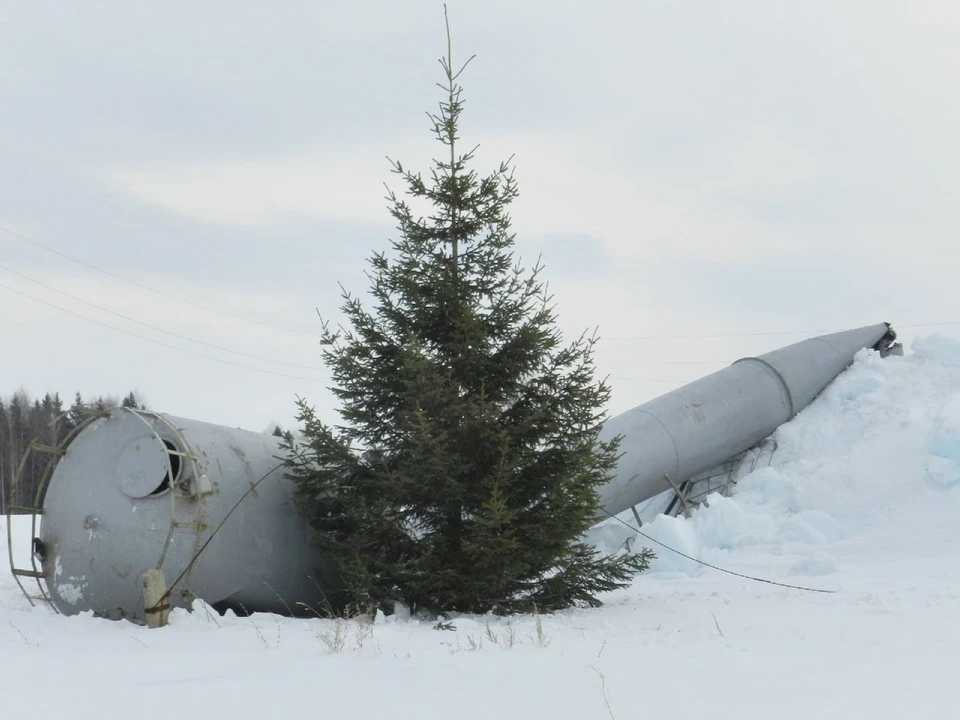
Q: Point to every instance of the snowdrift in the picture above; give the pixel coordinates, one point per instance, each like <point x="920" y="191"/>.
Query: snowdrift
<point x="862" y="498"/>
<point x="880" y="445"/>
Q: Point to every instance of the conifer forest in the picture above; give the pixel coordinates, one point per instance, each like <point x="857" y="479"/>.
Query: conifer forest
<point x="47" y="421"/>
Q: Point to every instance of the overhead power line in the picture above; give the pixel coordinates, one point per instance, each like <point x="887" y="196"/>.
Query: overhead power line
<point x="141" y="285"/>
<point x="668" y="362"/>
<point x="201" y="355"/>
<point x="767" y="334"/>
<point x="154" y="341"/>
<point x="154" y="327"/>
<point x="316" y="335"/>
<point x="651" y="380"/>
<point x="922" y="325"/>
<point x="720" y="335"/>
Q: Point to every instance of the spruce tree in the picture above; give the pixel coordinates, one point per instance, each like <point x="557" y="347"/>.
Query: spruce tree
<point x="464" y="473"/>
<point x="285" y="435"/>
<point x="76" y="414"/>
<point x="62" y="427"/>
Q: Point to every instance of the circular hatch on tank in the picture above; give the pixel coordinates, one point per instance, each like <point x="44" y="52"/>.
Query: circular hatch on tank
<point x="144" y="467"/>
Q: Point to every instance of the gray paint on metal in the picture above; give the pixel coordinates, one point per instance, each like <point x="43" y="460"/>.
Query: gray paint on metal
<point x="109" y="516"/>
<point x="142" y="465"/>
<point x="697" y="427"/>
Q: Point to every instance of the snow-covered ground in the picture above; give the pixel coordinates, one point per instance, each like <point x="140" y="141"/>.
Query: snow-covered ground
<point x="862" y="498"/>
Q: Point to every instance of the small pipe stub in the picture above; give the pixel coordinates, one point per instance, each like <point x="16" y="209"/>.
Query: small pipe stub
<point x="886" y="345"/>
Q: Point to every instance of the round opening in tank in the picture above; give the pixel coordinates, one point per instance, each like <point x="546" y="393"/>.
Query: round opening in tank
<point x="175" y="468"/>
<point x="148" y="467"/>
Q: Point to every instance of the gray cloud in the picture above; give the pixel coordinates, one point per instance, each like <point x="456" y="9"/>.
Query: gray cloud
<point x="567" y="254"/>
<point x="684" y="168"/>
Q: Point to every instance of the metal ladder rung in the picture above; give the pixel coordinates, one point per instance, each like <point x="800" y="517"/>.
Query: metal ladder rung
<point x="29" y="510"/>
<point x="28" y="573"/>
<point x="197" y="526"/>
<point x="189" y="456"/>
<point x="49" y="449"/>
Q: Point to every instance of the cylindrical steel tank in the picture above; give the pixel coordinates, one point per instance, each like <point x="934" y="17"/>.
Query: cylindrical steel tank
<point x="695" y="428"/>
<point x="137" y="490"/>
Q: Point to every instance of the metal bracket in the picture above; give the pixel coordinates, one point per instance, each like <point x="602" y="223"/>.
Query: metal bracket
<point x="681" y="495"/>
<point x="693" y="493"/>
<point x="887" y="346"/>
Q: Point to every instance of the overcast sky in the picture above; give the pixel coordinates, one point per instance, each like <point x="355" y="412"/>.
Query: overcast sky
<point x="685" y="169"/>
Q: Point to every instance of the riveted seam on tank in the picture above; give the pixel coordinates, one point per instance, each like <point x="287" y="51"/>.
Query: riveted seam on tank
<point x="673" y="443"/>
<point x="778" y="377"/>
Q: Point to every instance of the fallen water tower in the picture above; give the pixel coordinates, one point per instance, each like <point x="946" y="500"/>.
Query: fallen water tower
<point x="134" y="490"/>
<point x="131" y="491"/>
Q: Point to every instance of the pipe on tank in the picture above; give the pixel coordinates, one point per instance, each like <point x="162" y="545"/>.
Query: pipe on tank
<point x="695" y="428"/>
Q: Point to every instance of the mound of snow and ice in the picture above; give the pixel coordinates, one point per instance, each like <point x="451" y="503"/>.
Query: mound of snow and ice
<point x="862" y="499"/>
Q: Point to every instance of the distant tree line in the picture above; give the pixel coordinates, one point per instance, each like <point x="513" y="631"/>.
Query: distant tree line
<point x="24" y="420"/>
<point x="279" y="432"/>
